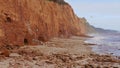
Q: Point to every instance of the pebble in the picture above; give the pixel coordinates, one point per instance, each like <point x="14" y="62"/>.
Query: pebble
<point x="14" y="55"/>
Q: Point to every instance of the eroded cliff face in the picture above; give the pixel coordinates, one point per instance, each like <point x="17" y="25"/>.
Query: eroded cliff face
<point x="30" y="21"/>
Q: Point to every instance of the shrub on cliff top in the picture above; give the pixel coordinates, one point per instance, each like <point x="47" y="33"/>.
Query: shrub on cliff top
<point x="59" y="1"/>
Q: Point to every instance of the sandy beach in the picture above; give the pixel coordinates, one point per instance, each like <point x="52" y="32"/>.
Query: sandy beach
<point x="58" y="53"/>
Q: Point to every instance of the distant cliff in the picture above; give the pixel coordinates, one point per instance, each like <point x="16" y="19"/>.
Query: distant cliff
<point x="88" y="28"/>
<point x="30" y="21"/>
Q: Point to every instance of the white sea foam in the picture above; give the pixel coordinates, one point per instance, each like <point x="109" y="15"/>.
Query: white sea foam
<point x="106" y="44"/>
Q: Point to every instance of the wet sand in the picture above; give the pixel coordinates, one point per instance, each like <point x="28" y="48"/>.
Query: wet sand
<point x="58" y="53"/>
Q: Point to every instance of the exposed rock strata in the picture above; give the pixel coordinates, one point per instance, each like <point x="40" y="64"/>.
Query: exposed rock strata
<point x="30" y="21"/>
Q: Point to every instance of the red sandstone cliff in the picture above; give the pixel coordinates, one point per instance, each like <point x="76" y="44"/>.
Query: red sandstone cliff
<point x="30" y="21"/>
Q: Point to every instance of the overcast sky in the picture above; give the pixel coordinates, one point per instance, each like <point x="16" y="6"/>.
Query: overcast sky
<point x="100" y="13"/>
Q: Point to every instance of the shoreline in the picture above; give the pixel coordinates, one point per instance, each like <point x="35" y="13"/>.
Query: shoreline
<point x="59" y="53"/>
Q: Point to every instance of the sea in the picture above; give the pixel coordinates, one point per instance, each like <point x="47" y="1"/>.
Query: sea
<point x="106" y="43"/>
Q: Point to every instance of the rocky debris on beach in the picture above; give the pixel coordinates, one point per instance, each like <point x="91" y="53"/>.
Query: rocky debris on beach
<point x="62" y="55"/>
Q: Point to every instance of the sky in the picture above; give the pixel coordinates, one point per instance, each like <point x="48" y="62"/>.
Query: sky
<point x="100" y="13"/>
